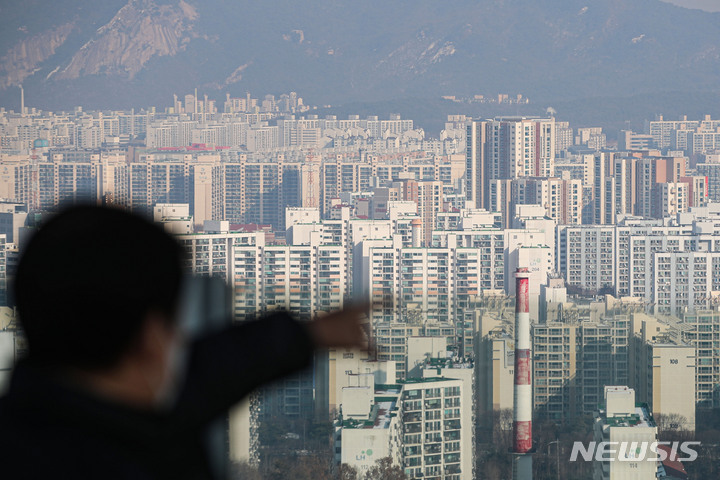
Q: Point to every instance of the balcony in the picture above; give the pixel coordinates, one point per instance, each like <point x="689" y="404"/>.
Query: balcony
<point x="451" y="425"/>
<point x="413" y="428"/>
<point x="452" y="469"/>
<point x="432" y="460"/>
<point x="412" y="417"/>
<point x="410" y="451"/>
<point x="433" y="448"/>
<point x="433" y="438"/>
<point x="431" y="404"/>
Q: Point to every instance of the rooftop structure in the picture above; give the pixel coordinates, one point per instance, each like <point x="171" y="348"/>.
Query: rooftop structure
<point x="623" y="421"/>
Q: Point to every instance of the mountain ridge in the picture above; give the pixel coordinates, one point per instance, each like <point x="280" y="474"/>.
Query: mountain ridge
<point x="139" y="52"/>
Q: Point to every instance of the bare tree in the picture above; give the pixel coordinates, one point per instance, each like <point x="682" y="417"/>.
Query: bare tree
<point x="308" y="467"/>
<point x="244" y="471"/>
<point x="494" y="458"/>
<point x="348" y="472"/>
<point x="385" y="470"/>
<point x="672" y="427"/>
<point x="502" y="428"/>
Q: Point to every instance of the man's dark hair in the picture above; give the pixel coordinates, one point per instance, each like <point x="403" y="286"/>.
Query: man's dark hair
<point x="86" y="282"/>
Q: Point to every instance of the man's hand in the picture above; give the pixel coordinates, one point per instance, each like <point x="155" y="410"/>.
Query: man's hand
<point x="342" y="329"/>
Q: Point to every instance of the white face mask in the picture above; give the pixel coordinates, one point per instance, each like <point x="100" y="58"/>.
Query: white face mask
<point x="175" y="373"/>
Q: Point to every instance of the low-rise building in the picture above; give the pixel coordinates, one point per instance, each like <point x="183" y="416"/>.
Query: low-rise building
<point x="625" y="422"/>
<point x="422" y="424"/>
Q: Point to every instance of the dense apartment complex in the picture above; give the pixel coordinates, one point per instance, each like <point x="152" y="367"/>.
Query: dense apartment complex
<point x="621" y="248"/>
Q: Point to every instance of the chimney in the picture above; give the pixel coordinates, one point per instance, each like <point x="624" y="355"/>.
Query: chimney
<point x="522" y="395"/>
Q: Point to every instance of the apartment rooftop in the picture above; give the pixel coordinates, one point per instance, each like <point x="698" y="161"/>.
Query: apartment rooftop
<point x="381" y="414"/>
<point x="412" y="381"/>
<point x="385" y="411"/>
<point x="453" y="362"/>
<point x="382" y="411"/>
<point x="670" y="338"/>
<point x="640" y="418"/>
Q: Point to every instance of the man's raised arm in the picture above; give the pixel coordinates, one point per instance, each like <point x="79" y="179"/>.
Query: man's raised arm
<point x="225" y="366"/>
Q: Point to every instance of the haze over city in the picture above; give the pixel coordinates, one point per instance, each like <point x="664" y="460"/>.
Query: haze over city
<point x="707" y="5"/>
<point x="525" y="194"/>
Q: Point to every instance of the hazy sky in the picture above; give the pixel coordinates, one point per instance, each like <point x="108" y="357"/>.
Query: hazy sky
<point x="709" y="5"/>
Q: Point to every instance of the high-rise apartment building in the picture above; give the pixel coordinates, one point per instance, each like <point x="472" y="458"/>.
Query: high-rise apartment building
<point x="672" y="198"/>
<point x="563" y="136"/>
<point x="500" y="200"/>
<point x="662" y="368"/>
<point x="494" y="365"/>
<point x="423" y="424"/>
<point x="302" y="279"/>
<point x="628" y="141"/>
<point x="573" y="361"/>
<point x="698" y="194"/>
<point x="369" y="427"/>
<point x="703" y="140"/>
<point x="711" y="170"/>
<point x="697" y="329"/>
<point x="662" y="130"/>
<point x="520" y="147"/>
<point x="477" y="175"/>
<point x="351" y="368"/>
<point x="628" y="258"/>
<point x="438" y="282"/>
<point x="458" y="420"/>
<point x="586" y="256"/>
<point x="15" y="181"/>
<point x="154" y="180"/>
<point x="624" y="173"/>
<point x="562" y="199"/>
<point x="428" y="196"/>
<point x="13" y="217"/>
<point x="393" y="340"/>
<point x="652" y="174"/>
<point x="506" y="148"/>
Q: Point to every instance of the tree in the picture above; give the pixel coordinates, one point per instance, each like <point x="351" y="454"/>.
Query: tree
<point x="494" y="459"/>
<point x="244" y="471"/>
<point x="385" y="470"/>
<point x="301" y="467"/>
<point x="348" y="472"/>
<point x="671" y="427"/>
<point x="502" y="428"/>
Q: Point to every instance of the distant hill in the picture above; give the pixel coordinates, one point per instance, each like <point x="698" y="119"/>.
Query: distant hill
<point x="611" y="113"/>
<point x="115" y="53"/>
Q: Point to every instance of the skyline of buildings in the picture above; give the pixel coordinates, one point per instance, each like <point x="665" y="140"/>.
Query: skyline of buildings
<point x="621" y="247"/>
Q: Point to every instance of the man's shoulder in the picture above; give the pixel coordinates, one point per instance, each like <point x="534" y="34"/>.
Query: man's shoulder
<point x="36" y="444"/>
<point x="33" y="449"/>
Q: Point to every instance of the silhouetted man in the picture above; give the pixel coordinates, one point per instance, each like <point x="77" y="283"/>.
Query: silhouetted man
<point x="110" y="388"/>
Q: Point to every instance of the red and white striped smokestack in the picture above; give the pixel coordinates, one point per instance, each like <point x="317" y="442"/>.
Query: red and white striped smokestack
<point x="522" y="404"/>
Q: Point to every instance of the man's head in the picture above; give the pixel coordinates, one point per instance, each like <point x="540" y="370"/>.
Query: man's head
<point x="89" y="284"/>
